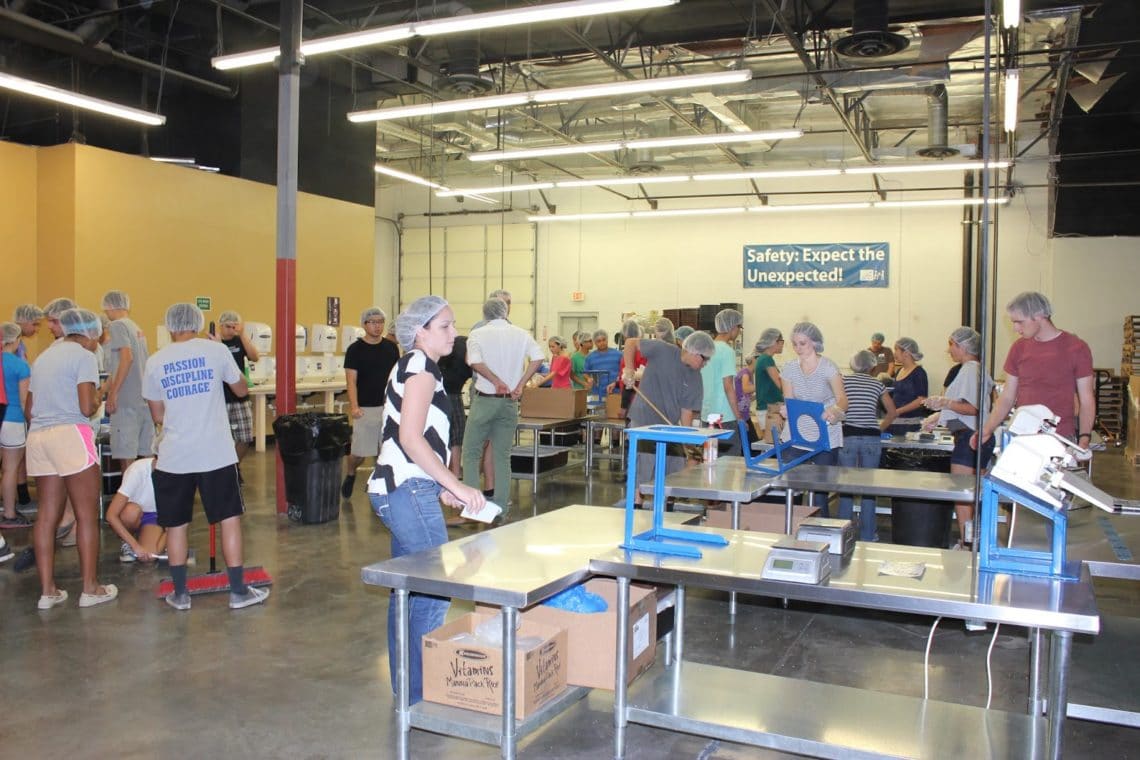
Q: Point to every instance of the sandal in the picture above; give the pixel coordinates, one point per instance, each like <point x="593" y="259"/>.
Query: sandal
<point x="65" y="534"/>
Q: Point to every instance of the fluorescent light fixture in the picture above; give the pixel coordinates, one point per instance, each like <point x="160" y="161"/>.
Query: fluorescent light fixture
<point x="451" y="25"/>
<point x="581" y="217"/>
<point x="775" y="174"/>
<point x="174" y="160"/>
<point x="940" y="166"/>
<point x="719" y="211"/>
<point x="471" y="192"/>
<point x="619" y="181"/>
<point x="942" y="202"/>
<point x="381" y="169"/>
<point x="650" y="142"/>
<point x="811" y="207"/>
<point x="1010" y="13"/>
<point x="657" y="84"/>
<point x="106" y="107"/>
<point x="1012" y="96"/>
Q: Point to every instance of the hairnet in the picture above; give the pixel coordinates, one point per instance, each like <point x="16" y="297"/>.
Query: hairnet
<point x="9" y="333"/>
<point x="105" y="321"/>
<point x="878" y="337"/>
<point x="372" y="312"/>
<point x="494" y="308"/>
<point x="630" y="329"/>
<point x="767" y="339"/>
<point x="1030" y="304"/>
<point x="585" y="336"/>
<point x="81" y="322"/>
<point x="502" y="295"/>
<point x="229" y="318"/>
<point x="811" y="332"/>
<point x="116" y="299"/>
<point x="863" y="361"/>
<point x="184" y="317"/>
<point x="663" y="330"/>
<point x="682" y="332"/>
<point x="28" y="312"/>
<point x="57" y="306"/>
<point x="418" y="313"/>
<point x="726" y="319"/>
<point x="601" y="334"/>
<point x="557" y="340"/>
<point x="701" y="344"/>
<point x="968" y="338"/>
<point x="910" y="345"/>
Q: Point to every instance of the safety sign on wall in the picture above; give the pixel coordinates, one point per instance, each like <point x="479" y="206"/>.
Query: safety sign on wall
<point x="817" y="265"/>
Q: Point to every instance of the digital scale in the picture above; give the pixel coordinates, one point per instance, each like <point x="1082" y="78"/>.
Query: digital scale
<point x="839" y="535"/>
<point x="797" y="561"/>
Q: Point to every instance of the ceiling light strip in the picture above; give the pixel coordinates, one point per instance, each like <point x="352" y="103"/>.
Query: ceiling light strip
<point x="85" y="102"/>
<point x="491" y="102"/>
<point x="641" y="144"/>
<point x="397" y="174"/>
<point x="451" y="25"/>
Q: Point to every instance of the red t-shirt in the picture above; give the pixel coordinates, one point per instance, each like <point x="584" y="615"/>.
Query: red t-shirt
<point x="1047" y="373"/>
<point x="560" y="371"/>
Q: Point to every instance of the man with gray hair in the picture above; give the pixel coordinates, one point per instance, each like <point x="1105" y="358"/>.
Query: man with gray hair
<point x="367" y="364"/>
<point x="606" y="361"/>
<point x="239" y="410"/>
<point x="719" y="373"/>
<point x="502" y="295"/>
<point x="1046" y="365"/>
<point x="503" y="358"/>
<point x="132" y="430"/>
<point x="884" y="356"/>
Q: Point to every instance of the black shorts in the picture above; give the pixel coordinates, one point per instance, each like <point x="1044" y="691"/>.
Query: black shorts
<point x="964" y="455"/>
<point x="174" y="495"/>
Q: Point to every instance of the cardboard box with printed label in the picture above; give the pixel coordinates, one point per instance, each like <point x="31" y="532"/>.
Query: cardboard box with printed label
<point x="462" y="671"/>
<point x="553" y="403"/>
<point x="592" y="637"/>
<point x="760" y="516"/>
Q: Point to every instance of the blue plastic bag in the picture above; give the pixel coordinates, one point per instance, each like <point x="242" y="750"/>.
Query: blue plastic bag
<point x="577" y="599"/>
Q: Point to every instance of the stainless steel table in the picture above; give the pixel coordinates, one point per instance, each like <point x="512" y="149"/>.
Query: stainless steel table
<point x="537" y="425"/>
<point x="512" y="567"/>
<point x="705" y="700"/>
<point x="595" y="424"/>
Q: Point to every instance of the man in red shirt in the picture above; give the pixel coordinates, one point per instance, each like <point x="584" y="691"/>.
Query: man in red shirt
<point x="1046" y="365"/>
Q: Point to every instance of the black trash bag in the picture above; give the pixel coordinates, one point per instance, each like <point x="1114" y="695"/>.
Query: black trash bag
<point x="312" y="447"/>
<point x="915" y="522"/>
<point x="308" y="431"/>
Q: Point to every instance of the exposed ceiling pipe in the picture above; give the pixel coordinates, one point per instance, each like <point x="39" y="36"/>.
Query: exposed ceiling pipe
<point x="937" y="131"/>
<point x="95" y="29"/>
<point x="33" y="31"/>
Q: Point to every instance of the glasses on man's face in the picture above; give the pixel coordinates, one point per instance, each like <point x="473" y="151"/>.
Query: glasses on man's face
<point x="375" y="322"/>
<point x="705" y="360"/>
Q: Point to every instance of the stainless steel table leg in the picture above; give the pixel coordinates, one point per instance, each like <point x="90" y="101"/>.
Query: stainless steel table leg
<point x="403" y="676"/>
<point x="534" y="483"/>
<point x="679" y="626"/>
<point x="589" y="449"/>
<point x="510" y="619"/>
<point x="735" y="526"/>
<point x="789" y="501"/>
<point x="620" y="720"/>
<point x="1035" y="640"/>
<point x="1060" y="652"/>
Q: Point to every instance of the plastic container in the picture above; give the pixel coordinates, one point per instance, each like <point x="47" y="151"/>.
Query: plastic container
<point x="914" y="522"/>
<point x="312" y="452"/>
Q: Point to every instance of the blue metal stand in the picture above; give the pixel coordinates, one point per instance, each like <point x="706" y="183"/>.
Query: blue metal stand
<point x="994" y="558"/>
<point x="656" y="540"/>
<point x="797" y="410"/>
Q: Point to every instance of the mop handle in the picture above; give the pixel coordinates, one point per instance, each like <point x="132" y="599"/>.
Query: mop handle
<point x="652" y="406"/>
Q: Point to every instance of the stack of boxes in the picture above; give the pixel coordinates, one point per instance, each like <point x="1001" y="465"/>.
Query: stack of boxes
<point x="1130" y="372"/>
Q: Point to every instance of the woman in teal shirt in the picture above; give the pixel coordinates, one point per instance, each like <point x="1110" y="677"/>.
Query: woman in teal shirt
<point x="765" y="374"/>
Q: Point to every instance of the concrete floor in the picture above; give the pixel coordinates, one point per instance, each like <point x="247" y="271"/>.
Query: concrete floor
<point x="306" y="675"/>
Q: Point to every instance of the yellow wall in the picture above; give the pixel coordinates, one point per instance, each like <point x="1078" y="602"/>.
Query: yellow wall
<point x="166" y="233"/>
<point x="18" y="223"/>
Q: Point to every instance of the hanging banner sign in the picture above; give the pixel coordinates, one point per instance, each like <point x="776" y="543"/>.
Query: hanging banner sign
<point x="817" y="265"/>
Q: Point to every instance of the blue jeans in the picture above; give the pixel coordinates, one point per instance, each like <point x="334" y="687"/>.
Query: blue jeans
<point x="860" y="451"/>
<point x="414" y="516"/>
<point x="821" y="498"/>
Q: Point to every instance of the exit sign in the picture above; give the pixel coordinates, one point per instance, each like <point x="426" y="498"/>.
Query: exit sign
<point x="203" y="302"/>
<point x="577" y="295"/>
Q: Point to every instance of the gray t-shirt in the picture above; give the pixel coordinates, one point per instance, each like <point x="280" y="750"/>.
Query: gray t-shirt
<point x="56" y="375"/>
<point x="965" y="388"/>
<point x="126" y="334"/>
<point x="188" y="378"/>
<point x="669" y="383"/>
<point x="814" y="387"/>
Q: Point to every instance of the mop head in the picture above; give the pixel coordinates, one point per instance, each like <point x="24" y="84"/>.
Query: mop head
<point x="212" y="583"/>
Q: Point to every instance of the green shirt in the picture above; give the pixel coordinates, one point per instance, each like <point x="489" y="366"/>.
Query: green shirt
<point x="577" y="367"/>
<point x="767" y="392"/>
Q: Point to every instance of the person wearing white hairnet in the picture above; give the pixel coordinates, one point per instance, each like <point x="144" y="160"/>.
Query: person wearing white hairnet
<point x="669" y="393"/>
<point x="911" y="385"/>
<point x="132" y="431"/>
<point x="503" y="357"/>
<point x="606" y="361"/>
<point x="183" y="386"/>
<point x="61" y="453"/>
<point x="411" y="479"/>
<point x="863" y="434"/>
<point x="13" y="429"/>
<point x="28" y="316"/>
<point x="584" y="341"/>
<point x="1049" y="366"/>
<point x="52" y="310"/>
<point x="239" y="410"/>
<point x="719" y="375"/>
<point x="560" y="365"/>
<point x="957" y="411"/>
<point x="367" y="364"/>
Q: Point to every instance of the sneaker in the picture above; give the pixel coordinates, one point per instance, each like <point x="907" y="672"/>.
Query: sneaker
<point x="6" y="552"/>
<point x="346" y="486"/>
<point x="110" y="591"/>
<point x="24" y="560"/>
<point x="19" y="521"/>
<point x="178" y="601"/>
<point x="126" y="554"/>
<point x="251" y="597"/>
<point x="47" y="602"/>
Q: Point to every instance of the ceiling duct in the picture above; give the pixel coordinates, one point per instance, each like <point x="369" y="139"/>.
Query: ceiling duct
<point x="462" y="76"/>
<point x="869" y="36"/>
<point x="641" y="160"/>
<point x="937" y="140"/>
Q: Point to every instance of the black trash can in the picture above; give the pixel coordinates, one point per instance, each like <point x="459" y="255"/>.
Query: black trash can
<point x="914" y="522"/>
<point x="312" y="451"/>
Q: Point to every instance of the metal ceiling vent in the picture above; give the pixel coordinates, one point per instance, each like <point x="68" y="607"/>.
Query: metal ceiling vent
<point x="462" y="76"/>
<point x="937" y="143"/>
<point x="869" y="37"/>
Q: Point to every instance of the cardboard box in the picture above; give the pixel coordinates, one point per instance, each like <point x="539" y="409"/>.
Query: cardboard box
<point x="592" y="637"/>
<point x="553" y="403"/>
<point x="759" y="516"/>
<point x="613" y="407"/>
<point x="1132" y="450"/>
<point x="469" y="675"/>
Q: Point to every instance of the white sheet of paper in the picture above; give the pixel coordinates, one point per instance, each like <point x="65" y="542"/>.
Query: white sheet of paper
<point x="486" y="514"/>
